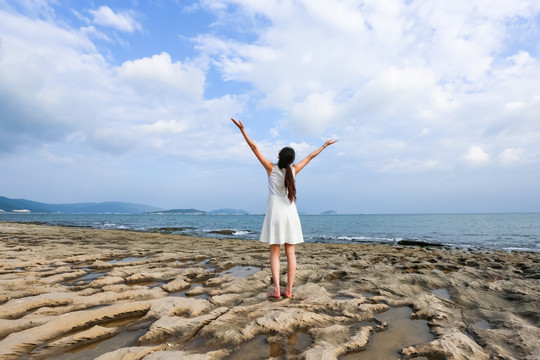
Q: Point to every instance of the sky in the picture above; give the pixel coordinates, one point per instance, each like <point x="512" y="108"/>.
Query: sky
<point x="435" y="104"/>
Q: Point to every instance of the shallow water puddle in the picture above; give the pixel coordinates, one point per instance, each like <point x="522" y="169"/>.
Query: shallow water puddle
<point x="184" y="293"/>
<point x="205" y="264"/>
<point x="443" y="293"/>
<point x="127" y="259"/>
<point x="93" y="276"/>
<point x="92" y="351"/>
<point x="260" y="348"/>
<point x="482" y="324"/>
<point x="402" y="332"/>
<point x="121" y="322"/>
<point x="87" y="279"/>
<point x="241" y="271"/>
<point x="148" y="283"/>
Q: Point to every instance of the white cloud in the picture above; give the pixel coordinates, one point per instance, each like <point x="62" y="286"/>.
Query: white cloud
<point x="42" y="68"/>
<point x="49" y="157"/>
<point x="410" y="166"/>
<point x="514" y="105"/>
<point x="55" y="86"/>
<point x="424" y="132"/>
<point x="92" y="32"/>
<point x="406" y="86"/>
<point x="301" y="149"/>
<point x="402" y="83"/>
<point x="164" y="127"/>
<point x="435" y="75"/>
<point x="516" y="156"/>
<point x="34" y="7"/>
<point x="122" y="21"/>
<point x="315" y="113"/>
<point x="476" y="156"/>
<point x="159" y="75"/>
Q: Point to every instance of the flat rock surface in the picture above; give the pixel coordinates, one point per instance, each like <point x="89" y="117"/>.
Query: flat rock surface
<point x="73" y="293"/>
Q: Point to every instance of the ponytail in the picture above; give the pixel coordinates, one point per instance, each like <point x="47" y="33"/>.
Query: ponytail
<point x="290" y="185"/>
<point x="286" y="158"/>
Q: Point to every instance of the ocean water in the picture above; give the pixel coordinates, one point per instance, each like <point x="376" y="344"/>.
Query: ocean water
<point x="478" y="231"/>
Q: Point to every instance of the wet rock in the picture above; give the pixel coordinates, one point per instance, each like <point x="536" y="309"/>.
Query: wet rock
<point x="179" y="327"/>
<point x="190" y="307"/>
<point x="454" y="346"/>
<point x="152" y="276"/>
<point x="328" y="350"/>
<point x="223" y="232"/>
<point x="18" y="307"/>
<point x="176" y="285"/>
<point x="130" y="353"/>
<point x="341" y="296"/>
<point x="14" y="326"/>
<point x="101" y="265"/>
<point x="107" y="280"/>
<point x="24" y="341"/>
<point x="226" y="300"/>
<point x="418" y="243"/>
<point x="94" y="334"/>
<point x="174" y="355"/>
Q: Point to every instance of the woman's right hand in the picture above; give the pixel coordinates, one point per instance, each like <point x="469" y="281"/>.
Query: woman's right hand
<point x="238" y="123"/>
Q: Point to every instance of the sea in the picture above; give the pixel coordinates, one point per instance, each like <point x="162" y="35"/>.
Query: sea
<point x="470" y="231"/>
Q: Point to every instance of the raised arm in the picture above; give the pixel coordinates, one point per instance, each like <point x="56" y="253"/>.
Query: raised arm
<point x="303" y="163"/>
<point x="264" y="161"/>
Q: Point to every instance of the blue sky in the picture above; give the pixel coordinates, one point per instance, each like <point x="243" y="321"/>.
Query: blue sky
<point x="436" y="104"/>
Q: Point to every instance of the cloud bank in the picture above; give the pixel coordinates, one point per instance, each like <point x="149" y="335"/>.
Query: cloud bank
<point x="409" y="87"/>
<point x="459" y="73"/>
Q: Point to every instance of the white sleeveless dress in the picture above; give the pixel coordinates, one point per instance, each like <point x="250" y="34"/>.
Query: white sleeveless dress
<point x="281" y="222"/>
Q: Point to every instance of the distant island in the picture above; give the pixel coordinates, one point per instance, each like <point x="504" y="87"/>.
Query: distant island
<point x="228" y="212"/>
<point x="329" y="212"/>
<point x="202" y="212"/>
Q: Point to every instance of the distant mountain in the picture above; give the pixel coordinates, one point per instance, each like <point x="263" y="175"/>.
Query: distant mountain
<point x="181" y="211"/>
<point x="228" y="212"/>
<point x="329" y="212"/>
<point x="9" y="205"/>
<point x="16" y="205"/>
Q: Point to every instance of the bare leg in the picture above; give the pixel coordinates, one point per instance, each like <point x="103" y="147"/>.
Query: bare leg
<point x="274" y="268"/>
<point x="291" y="269"/>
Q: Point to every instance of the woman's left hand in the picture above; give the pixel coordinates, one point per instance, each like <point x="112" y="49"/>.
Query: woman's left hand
<point x="329" y="142"/>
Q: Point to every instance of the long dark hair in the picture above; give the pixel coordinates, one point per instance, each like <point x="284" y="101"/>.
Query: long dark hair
<point x="286" y="158"/>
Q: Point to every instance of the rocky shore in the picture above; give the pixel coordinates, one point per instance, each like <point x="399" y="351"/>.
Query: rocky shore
<point x="73" y="293"/>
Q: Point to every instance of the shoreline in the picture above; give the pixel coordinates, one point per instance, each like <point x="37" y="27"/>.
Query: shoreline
<point x="164" y="296"/>
<point x="222" y="234"/>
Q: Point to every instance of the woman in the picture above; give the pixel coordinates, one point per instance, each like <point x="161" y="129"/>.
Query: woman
<point x="281" y="222"/>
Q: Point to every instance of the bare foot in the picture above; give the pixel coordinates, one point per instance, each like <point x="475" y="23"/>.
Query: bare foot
<point x="286" y="294"/>
<point x="273" y="294"/>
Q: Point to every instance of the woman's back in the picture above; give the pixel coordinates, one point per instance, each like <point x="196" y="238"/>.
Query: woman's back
<point x="276" y="181"/>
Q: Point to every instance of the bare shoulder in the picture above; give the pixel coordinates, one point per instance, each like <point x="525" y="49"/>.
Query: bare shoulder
<point x="269" y="168"/>
<point x="300" y="165"/>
